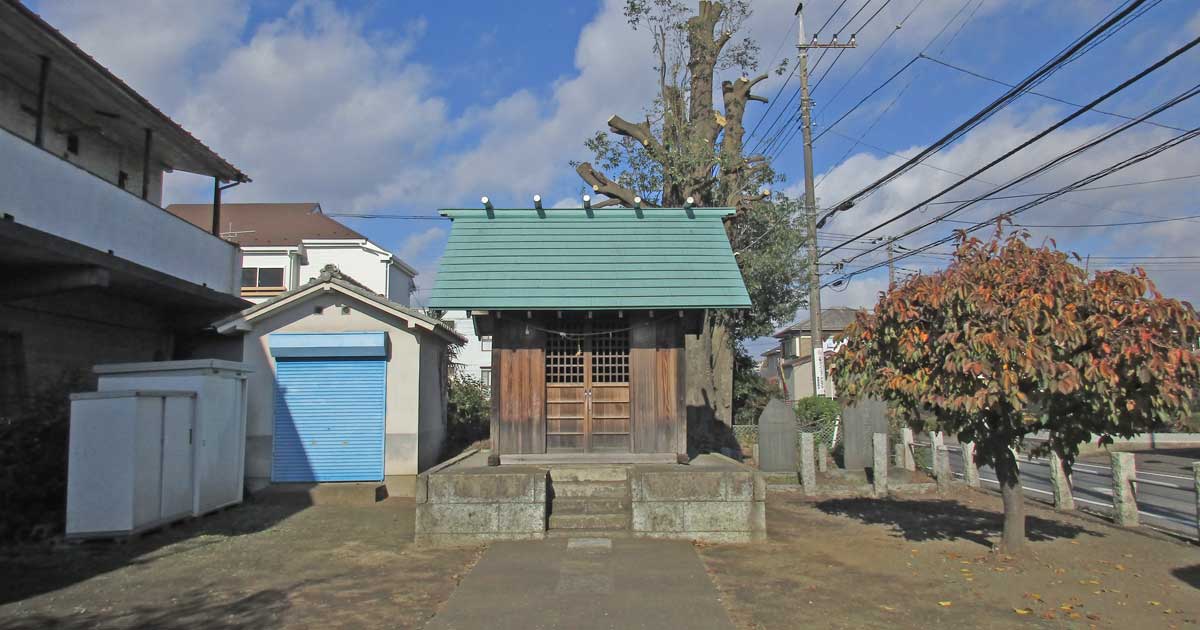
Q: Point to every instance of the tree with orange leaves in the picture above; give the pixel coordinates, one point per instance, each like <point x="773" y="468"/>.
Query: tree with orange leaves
<point x="1011" y="340"/>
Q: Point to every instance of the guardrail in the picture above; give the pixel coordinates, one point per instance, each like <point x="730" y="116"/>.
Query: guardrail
<point x="1124" y="486"/>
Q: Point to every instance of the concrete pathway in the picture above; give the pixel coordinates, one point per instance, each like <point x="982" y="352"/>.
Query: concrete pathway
<point x="585" y="584"/>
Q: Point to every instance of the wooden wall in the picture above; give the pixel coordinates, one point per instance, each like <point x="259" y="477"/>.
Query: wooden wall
<point x="657" y="379"/>
<point x="518" y="387"/>
<point x="657" y="385"/>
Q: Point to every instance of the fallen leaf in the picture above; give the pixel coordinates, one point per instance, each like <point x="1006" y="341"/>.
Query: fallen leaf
<point x="887" y="608"/>
<point x="1093" y="616"/>
<point x="945" y="604"/>
<point x="1049" y="614"/>
<point x="1022" y="611"/>
<point x="1154" y="603"/>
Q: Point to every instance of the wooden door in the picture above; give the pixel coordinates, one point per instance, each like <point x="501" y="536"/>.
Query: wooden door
<point x="587" y="388"/>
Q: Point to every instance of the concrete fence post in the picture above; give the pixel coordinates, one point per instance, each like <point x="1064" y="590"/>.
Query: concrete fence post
<point x="1124" y="502"/>
<point x="906" y="441"/>
<point x="808" y="474"/>
<point x="822" y="457"/>
<point x="970" y="468"/>
<point x="936" y="441"/>
<point x="1061" y="484"/>
<point x="945" y="474"/>
<point x="898" y="454"/>
<point x="1196" y="475"/>
<point x="879" y="462"/>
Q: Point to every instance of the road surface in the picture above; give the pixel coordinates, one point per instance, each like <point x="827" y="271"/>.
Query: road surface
<point x="1172" y="509"/>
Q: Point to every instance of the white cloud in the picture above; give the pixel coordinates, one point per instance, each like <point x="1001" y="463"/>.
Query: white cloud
<point x="173" y="41"/>
<point x="416" y="244"/>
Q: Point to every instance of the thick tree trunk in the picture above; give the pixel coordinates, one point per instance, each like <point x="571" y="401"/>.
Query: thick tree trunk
<point x="709" y="387"/>
<point x="1012" y="540"/>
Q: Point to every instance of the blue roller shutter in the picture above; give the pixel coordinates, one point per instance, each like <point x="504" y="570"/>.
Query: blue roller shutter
<point x="329" y="415"/>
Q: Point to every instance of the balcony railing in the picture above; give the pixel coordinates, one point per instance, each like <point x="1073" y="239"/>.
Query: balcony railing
<point x="261" y="292"/>
<point x="42" y="191"/>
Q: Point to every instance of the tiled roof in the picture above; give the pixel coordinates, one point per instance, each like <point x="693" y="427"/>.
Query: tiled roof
<point x="264" y="224"/>
<point x="832" y="320"/>
<point x="580" y="259"/>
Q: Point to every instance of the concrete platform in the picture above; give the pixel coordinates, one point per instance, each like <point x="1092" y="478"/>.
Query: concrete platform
<point x="322" y="494"/>
<point x="712" y="498"/>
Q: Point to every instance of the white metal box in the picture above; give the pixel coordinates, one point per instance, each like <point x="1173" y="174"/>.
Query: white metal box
<point x="219" y="443"/>
<point x="129" y="461"/>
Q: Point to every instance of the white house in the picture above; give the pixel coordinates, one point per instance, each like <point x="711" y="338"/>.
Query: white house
<point x="284" y="245"/>
<point x="95" y="271"/>
<point x="346" y="386"/>
<point x="474" y="358"/>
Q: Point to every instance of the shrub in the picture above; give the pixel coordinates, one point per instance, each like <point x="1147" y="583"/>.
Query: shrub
<point x="33" y="462"/>
<point x="818" y="414"/>
<point x="468" y="412"/>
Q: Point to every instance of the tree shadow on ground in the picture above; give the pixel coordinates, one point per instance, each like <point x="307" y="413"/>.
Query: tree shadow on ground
<point x="29" y="570"/>
<point x="926" y="520"/>
<point x="1189" y="575"/>
<point x="197" y="608"/>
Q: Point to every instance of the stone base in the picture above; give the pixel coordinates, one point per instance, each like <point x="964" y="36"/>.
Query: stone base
<point x="714" y="500"/>
<point x="401" y="485"/>
<point x="469" y="505"/>
<point x="323" y="493"/>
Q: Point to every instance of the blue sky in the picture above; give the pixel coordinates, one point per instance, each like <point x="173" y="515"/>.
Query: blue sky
<point x="405" y="107"/>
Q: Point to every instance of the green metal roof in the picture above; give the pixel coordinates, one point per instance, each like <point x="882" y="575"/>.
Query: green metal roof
<point x="581" y="259"/>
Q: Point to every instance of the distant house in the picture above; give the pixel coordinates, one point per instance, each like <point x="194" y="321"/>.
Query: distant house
<point x="346" y="385"/>
<point x="474" y="358"/>
<point x="768" y="366"/>
<point x="284" y="245"/>
<point x="795" y="345"/>
<point x="95" y="271"/>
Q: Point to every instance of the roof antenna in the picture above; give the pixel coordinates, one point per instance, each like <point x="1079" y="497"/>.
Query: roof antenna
<point x="537" y="202"/>
<point x="487" y="203"/>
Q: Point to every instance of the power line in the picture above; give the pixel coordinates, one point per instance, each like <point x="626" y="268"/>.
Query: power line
<point x="1088" y="189"/>
<point x="1073" y="115"/>
<point x="1090" y="225"/>
<point x="1123" y="164"/>
<point x="1038" y="75"/>
<point x="1043" y="95"/>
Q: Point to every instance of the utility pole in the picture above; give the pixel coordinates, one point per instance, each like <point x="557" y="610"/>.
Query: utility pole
<point x="891" y="268"/>
<point x="810" y="202"/>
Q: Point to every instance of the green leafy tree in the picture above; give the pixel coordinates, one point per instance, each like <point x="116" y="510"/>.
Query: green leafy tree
<point x="468" y="412"/>
<point x="686" y="148"/>
<point x="1011" y="340"/>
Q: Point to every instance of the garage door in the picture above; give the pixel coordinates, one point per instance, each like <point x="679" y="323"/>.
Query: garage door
<point x="329" y="406"/>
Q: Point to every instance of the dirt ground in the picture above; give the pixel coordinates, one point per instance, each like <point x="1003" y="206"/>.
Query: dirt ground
<point x="926" y="561"/>
<point x="836" y="563"/>
<point x="255" y="566"/>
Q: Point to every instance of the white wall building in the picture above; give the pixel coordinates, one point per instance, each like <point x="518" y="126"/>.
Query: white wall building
<point x="284" y="245"/>
<point x="473" y="358"/>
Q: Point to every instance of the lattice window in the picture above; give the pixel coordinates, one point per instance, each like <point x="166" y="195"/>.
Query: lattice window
<point x="610" y="357"/>
<point x="564" y="359"/>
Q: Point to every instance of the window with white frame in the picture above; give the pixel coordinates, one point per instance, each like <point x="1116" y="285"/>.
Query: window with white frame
<point x="485" y="375"/>
<point x="485" y="343"/>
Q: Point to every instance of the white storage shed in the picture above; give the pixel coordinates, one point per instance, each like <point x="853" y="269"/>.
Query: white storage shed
<point x="129" y="461"/>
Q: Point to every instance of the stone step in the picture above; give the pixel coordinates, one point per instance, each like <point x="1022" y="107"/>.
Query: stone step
<point x="591" y="489"/>
<point x="589" y="505"/>
<point x="589" y="521"/>
<point x="588" y="533"/>
<point x="588" y="473"/>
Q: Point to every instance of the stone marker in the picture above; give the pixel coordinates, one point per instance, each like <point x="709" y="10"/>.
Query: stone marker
<point x="970" y="468"/>
<point x="823" y="457"/>
<point x="1124" y="502"/>
<point x="945" y="475"/>
<point x="1196" y="474"/>
<point x="808" y="475"/>
<point x="879" y="468"/>
<point x="937" y="440"/>
<point x="777" y="437"/>
<point x="1061" y="484"/>
<point x="906" y="441"/>
<point x="860" y="422"/>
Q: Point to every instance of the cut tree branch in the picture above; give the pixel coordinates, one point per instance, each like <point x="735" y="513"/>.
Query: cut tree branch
<point x="640" y="132"/>
<point x="608" y="203"/>
<point x="602" y="185"/>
